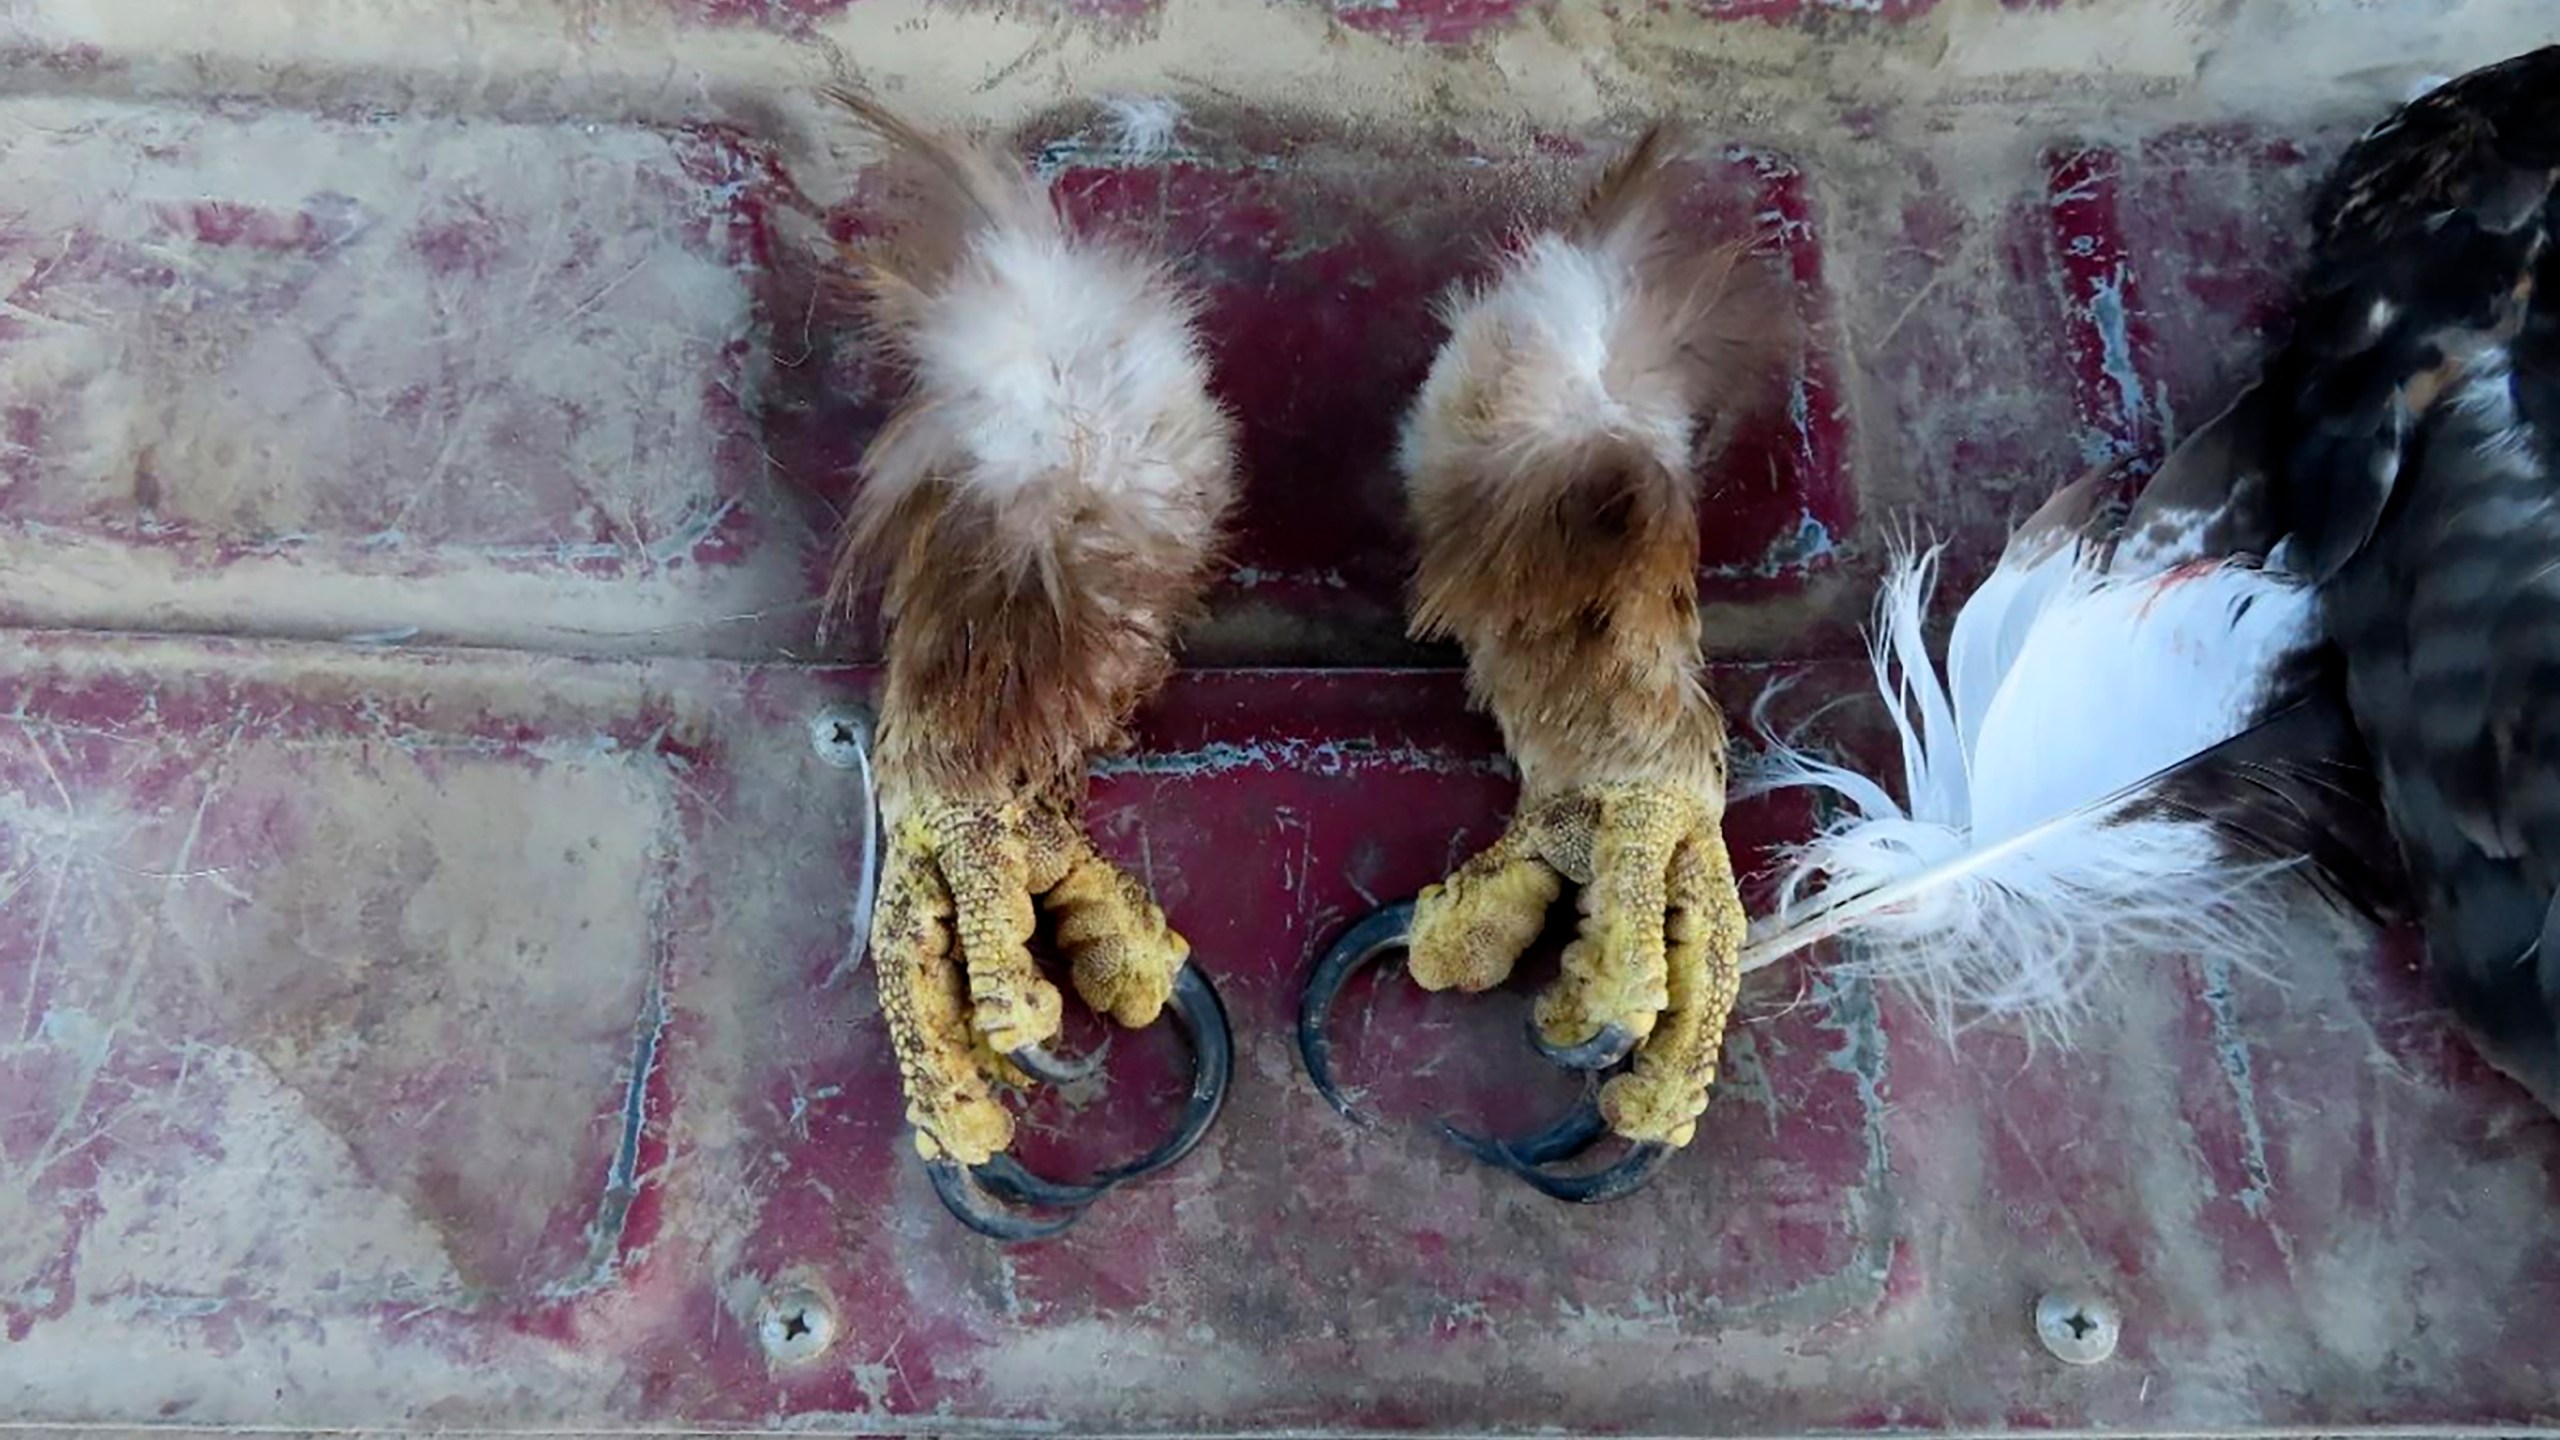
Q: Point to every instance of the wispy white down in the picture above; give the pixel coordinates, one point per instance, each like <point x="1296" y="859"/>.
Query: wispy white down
<point x="1571" y="323"/>
<point x="2019" y="869"/>
<point x="1142" y="127"/>
<point x="1068" y="374"/>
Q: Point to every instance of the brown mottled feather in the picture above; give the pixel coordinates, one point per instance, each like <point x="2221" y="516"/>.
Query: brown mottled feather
<point x="1559" y="528"/>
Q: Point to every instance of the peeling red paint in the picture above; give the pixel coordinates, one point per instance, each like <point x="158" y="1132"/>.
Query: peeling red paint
<point x="1432" y="22"/>
<point x="784" y="15"/>
<point x="2108" y="325"/>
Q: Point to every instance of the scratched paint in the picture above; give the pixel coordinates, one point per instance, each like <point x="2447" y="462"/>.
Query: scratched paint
<point x="2109" y="331"/>
<point x="2232" y="1057"/>
<point x="622" y="1179"/>
<point x="2107" y="313"/>
<point x="363" y="1019"/>
<point x="1327" y="757"/>
<point x="346" y="1158"/>
<point x="1827" y="1194"/>
<point x="373" y="354"/>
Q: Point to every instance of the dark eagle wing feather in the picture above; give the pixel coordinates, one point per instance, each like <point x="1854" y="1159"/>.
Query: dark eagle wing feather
<point x="2443" y="579"/>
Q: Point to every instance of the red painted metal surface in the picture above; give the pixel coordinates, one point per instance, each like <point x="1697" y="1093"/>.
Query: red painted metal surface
<point x="1428" y="22"/>
<point x="274" y="403"/>
<point x="474" y="1133"/>
<point x="461" y="1036"/>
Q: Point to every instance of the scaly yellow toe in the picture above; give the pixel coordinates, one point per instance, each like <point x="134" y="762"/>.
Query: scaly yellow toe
<point x="924" y="997"/>
<point x="1121" y="952"/>
<point x="1664" y="1093"/>
<point x="1469" y="930"/>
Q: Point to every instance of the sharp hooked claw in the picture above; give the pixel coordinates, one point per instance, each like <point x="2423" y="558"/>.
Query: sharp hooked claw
<point x="1202" y="1018"/>
<point x="1619" y="1179"/>
<point x="1613" y="1044"/>
<point x="1578" y="1130"/>
<point x="1385" y="929"/>
<point x="985" y="1197"/>
<point x="972" y="1205"/>
<point x="1015" y="1183"/>
<point x="1036" y="1062"/>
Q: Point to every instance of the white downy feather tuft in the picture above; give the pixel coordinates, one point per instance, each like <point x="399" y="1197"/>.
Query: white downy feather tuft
<point x="1069" y="375"/>
<point x="1143" y="127"/>
<point x="2024" y="863"/>
<point x="1040" y="509"/>
<point x="1566" y="316"/>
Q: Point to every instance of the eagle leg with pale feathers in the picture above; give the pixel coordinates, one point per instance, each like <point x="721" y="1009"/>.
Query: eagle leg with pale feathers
<point x="1552" y="463"/>
<point x="1040" y="512"/>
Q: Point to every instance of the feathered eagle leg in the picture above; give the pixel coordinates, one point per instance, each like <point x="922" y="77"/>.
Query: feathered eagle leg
<point x="1551" y="462"/>
<point x="1041" y="510"/>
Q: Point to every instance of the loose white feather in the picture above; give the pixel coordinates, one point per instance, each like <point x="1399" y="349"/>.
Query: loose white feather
<point x="2024" y="861"/>
<point x="1143" y="127"/>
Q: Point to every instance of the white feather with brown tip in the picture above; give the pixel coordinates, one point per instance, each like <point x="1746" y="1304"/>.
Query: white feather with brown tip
<point x="2040" y="840"/>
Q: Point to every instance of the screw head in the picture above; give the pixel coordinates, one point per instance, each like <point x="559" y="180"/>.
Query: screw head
<point x="2078" y="1327"/>
<point x="795" y="1325"/>
<point x="841" y="734"/>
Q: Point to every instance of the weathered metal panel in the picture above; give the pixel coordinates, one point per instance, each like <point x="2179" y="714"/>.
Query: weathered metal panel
<point x="450" y="1039"/>
<point x="373" y="375"/>
<point x="410" y="1037"/>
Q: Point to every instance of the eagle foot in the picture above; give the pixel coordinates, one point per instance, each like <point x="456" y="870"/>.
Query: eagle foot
<point x="1645" y="989"/>
<point x="968" y="1009"/>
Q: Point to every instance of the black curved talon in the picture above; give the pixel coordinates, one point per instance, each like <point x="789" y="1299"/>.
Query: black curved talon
<point x="1613" y="1044"/>
<point x="1579" y="1130"/>
<point x="1015" y="1183"/>
<point x="1385" y="929"/>
<point x="1036" y="1062"/>
<point x="1617" y="1180"/>
<point x="1004" y="1200"/>
<point x="972" y="1205"/>
<point x="1202" y="1018"/>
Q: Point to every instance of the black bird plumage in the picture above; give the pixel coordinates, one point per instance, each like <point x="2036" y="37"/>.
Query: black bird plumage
<point x="2411" y="430"/>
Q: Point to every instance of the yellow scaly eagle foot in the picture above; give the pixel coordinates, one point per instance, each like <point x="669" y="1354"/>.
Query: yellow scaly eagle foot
<point x="968" y="1009"/>
<point x="1653" y="970"/>
<point x="1552" y="468"/>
